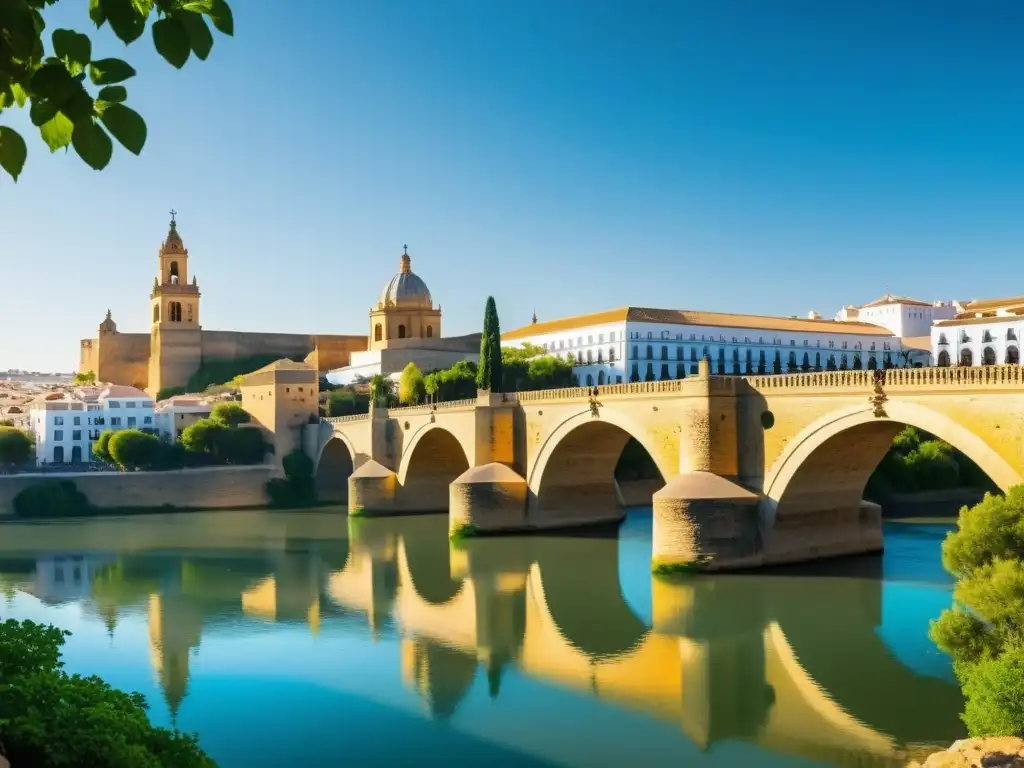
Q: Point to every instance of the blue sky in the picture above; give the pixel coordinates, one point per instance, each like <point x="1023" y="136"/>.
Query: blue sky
<point x="570" y="156"/>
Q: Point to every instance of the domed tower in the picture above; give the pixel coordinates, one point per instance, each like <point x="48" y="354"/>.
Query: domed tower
<point x="404" y="310"/>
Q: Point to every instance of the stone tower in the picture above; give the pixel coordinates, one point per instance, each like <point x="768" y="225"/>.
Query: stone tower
<point x="176" y="347"/>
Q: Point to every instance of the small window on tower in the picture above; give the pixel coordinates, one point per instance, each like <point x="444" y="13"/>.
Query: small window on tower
<point x="174" y="273"/>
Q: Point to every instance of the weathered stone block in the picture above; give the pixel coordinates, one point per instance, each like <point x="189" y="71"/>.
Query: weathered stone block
<point x="371" y="490"/>
<point x="705" y="522"/>
<point x="487" y="498"/>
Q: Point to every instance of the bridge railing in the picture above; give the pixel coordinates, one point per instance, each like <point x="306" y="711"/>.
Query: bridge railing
<point x="406" y="410"/>
<point x="959" y="376"/>
<point x="603" y="390"/>
<point x="342" y="419"/>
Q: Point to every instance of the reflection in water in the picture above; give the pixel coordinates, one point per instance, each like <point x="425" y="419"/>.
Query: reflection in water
<point x="792" y="664"/>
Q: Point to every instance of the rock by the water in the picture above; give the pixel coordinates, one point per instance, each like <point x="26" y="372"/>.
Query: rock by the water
<point x="991" y="752"/>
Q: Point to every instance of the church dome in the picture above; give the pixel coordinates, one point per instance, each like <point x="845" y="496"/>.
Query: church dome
<point x="405" y="289"/>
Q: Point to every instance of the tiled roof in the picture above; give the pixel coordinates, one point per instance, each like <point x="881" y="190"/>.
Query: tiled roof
<point x="121" y="390"/>
<point x="888" y="298"/>
<point x="966" y="319"/>
<point x="990" y="305"/>
<point x="688" y="317"/>
<point x="283" y="365"/>
<point x="917" y="342"/>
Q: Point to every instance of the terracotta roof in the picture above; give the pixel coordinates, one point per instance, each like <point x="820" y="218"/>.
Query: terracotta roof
<point x="983" y="305"/>
<point x="923" y="343"/>
<point x="888" y="298"/>
<point x="689" y="317"/>
<point x="120" y="390"/>
<point x="987" y="319"/>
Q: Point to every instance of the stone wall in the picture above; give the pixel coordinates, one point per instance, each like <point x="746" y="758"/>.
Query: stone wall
<point x="123" y="358"/>
<point x="238" y="345"/>
<point x="88" y="355"/>
<point x="207" y="488"/>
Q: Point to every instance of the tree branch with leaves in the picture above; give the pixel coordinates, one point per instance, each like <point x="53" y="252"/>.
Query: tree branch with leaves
<point x="54" y="83"/>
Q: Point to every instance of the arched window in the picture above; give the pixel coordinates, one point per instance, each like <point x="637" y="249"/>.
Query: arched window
<point x="988" y="356"/>
<point x="401" y="331"/>
<point x="430" y="331"/>
<point x="600" y="355"/>
<point x="693" y="354"/>
<point x="156" y="313"/>
<point x="792" y="361"/>
<point x="664" y="372"/>
<point x="966" y="358"/>
<point x="650" y="352"/>
<point x="611" y="354"/>
<point x="636" y="352"/>
<point x="174" y="310"/>
<point x="679" y="352"/>
<point x="986" y="338"/>
<point x="664" y="352"/>
<point x="873" y="362"/>
<point x="942" y="339"/>
<point x="817" y="361"/>
<point x="590" y="380"/>
<point x="174" y="273"/>
<point x="590" y="355"/>
<point x="1012" y="356"/>
<point x="58" y="454"/>
<point x="943" y="359"/>
<point x="76" y="454"/>
<point x="600" y="378"/>
<point x="378" y="332"/>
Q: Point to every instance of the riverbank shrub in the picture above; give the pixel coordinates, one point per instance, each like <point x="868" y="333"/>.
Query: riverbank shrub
<point x="52" y="498"/>
<point x="918" y="461"/>
<point x="298" y="487"/>
<point x="134" y="449"/>
<point x="230" y="414"/>
<point x="224" y="444"/>
<point x="984" y="631"/>
<point x="411" y="388"/>
<point x="16" y="446"/>
<point x="50" y="719"/>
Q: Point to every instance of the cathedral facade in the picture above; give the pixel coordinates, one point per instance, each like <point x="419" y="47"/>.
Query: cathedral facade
<point x="177" y="345"/>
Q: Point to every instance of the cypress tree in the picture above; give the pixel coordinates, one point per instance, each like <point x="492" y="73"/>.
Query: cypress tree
<point x="489" y="373"/>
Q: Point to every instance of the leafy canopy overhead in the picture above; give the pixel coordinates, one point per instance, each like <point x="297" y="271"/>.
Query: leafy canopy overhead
<point x="53" y="80"/>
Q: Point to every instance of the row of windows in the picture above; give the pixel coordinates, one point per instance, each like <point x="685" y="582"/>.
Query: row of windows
<point x="986" y="337"/>
<point x="988" y="357"/>
<point x="130" y="404"/>
<point x="774" y="341"/>
<point x="173" y="312"/>
<point x="115" y="421"/>
<point x="77" y="420"/>
<point x="378" y="332"/>
<point x="695" y="355"/>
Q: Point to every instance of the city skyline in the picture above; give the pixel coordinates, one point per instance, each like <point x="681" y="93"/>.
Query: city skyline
<point x="567" y="161"/>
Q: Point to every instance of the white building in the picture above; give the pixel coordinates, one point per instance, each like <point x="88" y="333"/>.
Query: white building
<point x="66" y="428"/>
<point x="176" y="413"/>
<point x="909" y="319"/>
<point x="638" y="344"/>
<point x="987" y="332"/>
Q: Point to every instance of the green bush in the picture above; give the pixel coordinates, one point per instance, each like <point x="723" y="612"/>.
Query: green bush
<point x="411" y="387"/>
<point x="455" y="383"/>
<point x="983" y="631"/>
<point x="53" y="498"/>
<point x="49" y="719"/>
<point x="101" y="448"/>
<point x="134" y="449"/>
<point x="222" y="444"/>
<point x="231" y="414"/>
<point x="15" y="446"/>
<point x="168" y="392"/>
<point x="346" y="402"/>
<point x="298" y="487"/>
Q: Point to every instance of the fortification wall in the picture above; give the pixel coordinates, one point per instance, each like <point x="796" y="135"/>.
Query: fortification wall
<point x="123" y="358"/>
<point x="334" y="351"/>
<point x="207" y="488"/>
<point x="238" y="345"/>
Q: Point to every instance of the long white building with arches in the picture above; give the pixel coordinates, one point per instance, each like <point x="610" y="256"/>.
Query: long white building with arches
<point x="634" y="344"/>
<point x="987" y="332"/>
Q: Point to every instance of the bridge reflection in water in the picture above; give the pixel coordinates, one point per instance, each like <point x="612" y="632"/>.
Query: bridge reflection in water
<point x="788" y="663"/>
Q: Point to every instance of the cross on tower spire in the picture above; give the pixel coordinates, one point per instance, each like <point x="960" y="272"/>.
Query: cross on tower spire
<point x="173" y="214"/>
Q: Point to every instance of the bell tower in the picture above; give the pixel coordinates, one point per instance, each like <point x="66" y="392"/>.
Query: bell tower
<point x="176" y="347"/>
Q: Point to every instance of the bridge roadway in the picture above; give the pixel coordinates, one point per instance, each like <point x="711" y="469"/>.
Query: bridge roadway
<point x="757" y="470"/>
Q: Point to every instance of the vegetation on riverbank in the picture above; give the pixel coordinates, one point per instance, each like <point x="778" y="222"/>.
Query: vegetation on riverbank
<point x="50" y="719"/>
<point x="16" y="446"/>
<point x="298" y="486"/>
<point x="984" y="631"/>
<point x="918" y="461"/>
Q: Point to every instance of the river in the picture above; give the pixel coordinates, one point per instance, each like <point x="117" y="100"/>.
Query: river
<point x="307" y="639"/>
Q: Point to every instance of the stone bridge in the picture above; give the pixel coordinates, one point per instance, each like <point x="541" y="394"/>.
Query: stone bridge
<point x="757" y="470"/>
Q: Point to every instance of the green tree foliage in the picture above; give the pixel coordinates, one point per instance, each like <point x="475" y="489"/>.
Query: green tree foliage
<point x="382" y="390"/>
<point x="49" y="73"/>
<point x="101" y="448"/>
<point x="455" y="383"/>
<point x="53" y="498"/>
<point x="223" y="444"/>
<point x="984" y="632"/>
<point x="530" y="367"/>
<point x="89" y="377"/>
<point x="411" y="387"/>
<point x="298" y="487"/>
<point x="134" y="449"/>
<point x="346" y="402"/>
<point x="16" y="446"/>
<point x="918" y="461"/>
<point x="230" y="414"/>
<point x="169" y="392"/>
<point x="489" y="374"/>
<point x="49" y="719"/>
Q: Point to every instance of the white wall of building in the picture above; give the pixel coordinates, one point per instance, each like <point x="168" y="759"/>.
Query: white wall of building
<point x="907" y="319"/>
<point x="66" y="429"/>
<point x="646" y="351"/>
<point x="970" y="343"/>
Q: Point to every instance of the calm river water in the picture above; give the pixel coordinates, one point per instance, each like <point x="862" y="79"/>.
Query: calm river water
<point x="306" y="639"/>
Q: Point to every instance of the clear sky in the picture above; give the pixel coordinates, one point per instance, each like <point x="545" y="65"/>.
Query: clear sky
<point x="568" y="156"/>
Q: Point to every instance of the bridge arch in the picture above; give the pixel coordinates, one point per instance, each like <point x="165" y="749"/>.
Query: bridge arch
<point x="334" y="466"/>
<point x="828" y="464"/>
<point x="431" y="459"/>
<point x="574" y="472"/>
